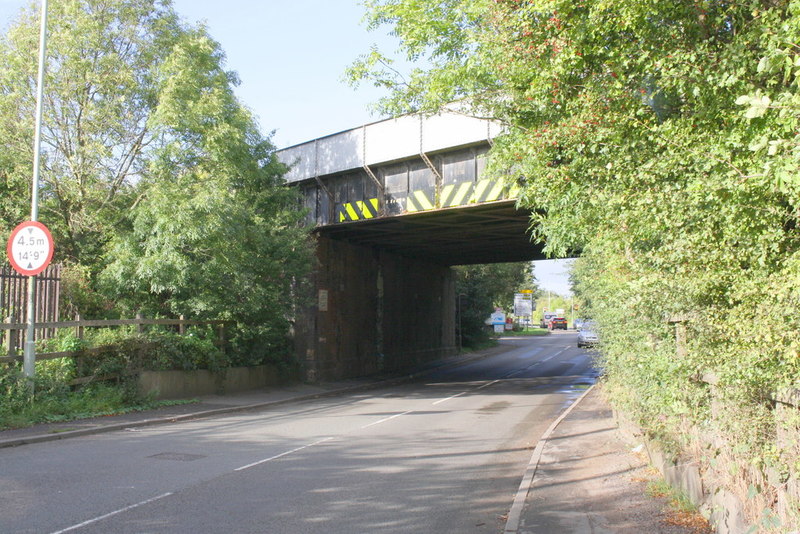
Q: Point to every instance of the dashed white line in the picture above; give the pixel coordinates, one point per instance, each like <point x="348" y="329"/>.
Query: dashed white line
<point x="387" y="419"/>
<point x="451" y="397"/>
<point x="281" y="455"/>
<point x="323" y="440"/>
<point x="115" y="512"/>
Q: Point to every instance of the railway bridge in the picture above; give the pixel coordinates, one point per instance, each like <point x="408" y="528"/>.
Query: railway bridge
<point x="394" y="204"/>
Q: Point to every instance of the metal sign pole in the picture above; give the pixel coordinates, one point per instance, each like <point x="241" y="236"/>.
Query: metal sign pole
<point x="29" y="354"/>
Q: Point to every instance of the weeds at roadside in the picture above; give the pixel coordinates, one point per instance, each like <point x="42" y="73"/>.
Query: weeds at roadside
<point x="96" y="401"/>
<point x="680" y="510"/>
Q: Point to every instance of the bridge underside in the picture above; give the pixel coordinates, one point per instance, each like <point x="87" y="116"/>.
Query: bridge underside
<point x="392" y="215"/>
<point x="385" y="291"/>
<point x="494" y="232"/>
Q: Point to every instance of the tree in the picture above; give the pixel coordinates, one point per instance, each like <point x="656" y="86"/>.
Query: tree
<point x="156" y="180"/>
<point x="659" y="139"/>
<point x="222" y="237"/>
<point x="481" y="288"/>
<point x="98" y="99"/>
<point x="216" y="232"/>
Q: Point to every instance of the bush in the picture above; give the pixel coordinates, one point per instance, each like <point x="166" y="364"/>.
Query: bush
<point x="124" y="351"/>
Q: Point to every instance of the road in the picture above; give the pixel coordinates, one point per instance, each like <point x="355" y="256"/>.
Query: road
<point x="444" y="453"/>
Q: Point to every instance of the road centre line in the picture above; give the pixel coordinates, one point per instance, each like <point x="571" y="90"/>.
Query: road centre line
<point x="451" y="397"/>
<point x="509" y="375"/>
<point x="534" y="364"/>
<point x="493" y="382"/>
<point x="281" y="455"/>
<point x="387" y="419"/>
<point x="309" y="445"/>
<point x="115" y="512"/>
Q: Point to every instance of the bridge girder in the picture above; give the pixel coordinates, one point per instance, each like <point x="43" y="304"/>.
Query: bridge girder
<point x="494" y="232"/>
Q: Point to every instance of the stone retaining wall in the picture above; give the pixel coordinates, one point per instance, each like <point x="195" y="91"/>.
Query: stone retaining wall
<point x="724" y="510"/>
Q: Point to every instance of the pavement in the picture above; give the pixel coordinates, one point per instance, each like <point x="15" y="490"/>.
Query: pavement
<point x="582" y="477"/>
<point x="585" y="477"/>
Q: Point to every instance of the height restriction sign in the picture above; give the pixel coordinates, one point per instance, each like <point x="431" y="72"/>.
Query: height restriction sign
<point x="30" y="248"/>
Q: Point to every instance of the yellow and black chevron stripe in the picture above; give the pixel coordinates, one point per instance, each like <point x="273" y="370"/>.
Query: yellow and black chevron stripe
<point x="418" y="201"/>
<point x="358" y="210"/>
<point x="488" y="190"/>
<point x="455" y="194"/>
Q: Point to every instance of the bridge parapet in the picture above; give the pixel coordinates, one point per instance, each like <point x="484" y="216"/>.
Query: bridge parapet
<point x="398" y="166"/>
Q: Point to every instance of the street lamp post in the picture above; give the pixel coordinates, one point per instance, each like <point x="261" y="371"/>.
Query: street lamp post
<point x="29" y="354"/>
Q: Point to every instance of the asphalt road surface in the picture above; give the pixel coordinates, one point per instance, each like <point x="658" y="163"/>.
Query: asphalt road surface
<point x="444" y="453"/>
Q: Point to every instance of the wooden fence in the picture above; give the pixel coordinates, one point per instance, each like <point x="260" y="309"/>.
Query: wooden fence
<point x="14" y="298"/>
<point x="12" y="332"/>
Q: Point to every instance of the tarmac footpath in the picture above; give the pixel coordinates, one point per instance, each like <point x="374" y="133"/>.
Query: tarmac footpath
<point x="584" y="477"/>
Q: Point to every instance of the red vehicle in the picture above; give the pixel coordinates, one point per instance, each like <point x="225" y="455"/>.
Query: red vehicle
<point x="559" y="323"/>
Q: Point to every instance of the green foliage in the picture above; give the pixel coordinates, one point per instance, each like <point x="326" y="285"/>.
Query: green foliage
<point x="54" y="402"/>
<point x="127" y="352"/>
<point x="163" y="196"/>
<point x="659" y="139"/>
<point x="481" y="288"/>
<point x="99" y="94"/>
<point x="520" y="331"/>
<point x="78" y="296"/>
<point x="549" y="301"/>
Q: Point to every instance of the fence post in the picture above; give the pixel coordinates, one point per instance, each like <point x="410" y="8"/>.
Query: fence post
<point x="10" y="338"/>
<point x="78" y="328"/>
<point x="139" y="325"/>
<point x="181" y="325"/>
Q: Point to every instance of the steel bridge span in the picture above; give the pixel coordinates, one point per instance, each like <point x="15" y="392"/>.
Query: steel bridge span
<point x="394" y="205"/>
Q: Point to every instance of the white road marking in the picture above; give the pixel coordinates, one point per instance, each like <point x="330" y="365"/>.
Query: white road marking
<point x="510" y="375"/>
<point x="511" y="525"/>
<point x="387" y="419"/>
<point x="451" y="397"/>
<point x="281" y="455"/>
<point x="115" y="512"/>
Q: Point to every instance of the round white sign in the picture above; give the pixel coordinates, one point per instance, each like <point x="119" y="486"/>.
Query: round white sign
<point x="30" y="248"/>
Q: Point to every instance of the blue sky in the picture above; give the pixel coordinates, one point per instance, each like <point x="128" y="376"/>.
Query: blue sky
<point x="553" y="275"/>
<point x="291" y="56"/>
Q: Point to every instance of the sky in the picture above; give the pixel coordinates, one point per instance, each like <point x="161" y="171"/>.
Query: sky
<point x="553" y="275"/>
<point x="291" y="56"/>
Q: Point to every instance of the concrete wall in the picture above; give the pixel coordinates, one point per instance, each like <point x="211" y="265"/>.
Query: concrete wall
<point x="373" y="312"/>
<point x="185" y="384"/>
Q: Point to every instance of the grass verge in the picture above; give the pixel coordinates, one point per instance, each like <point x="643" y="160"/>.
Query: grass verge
<point x="95" y="401"/>
<point x="525" y="333"/>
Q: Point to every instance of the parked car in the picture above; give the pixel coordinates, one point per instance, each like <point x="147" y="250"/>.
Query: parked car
<point x="587" y="335"/>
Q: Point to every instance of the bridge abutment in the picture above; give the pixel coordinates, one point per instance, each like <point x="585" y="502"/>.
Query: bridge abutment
<point x="374" y="311"/>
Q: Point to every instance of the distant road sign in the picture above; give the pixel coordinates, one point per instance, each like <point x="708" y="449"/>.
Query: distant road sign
<point x="30" y="248"/>
<point x="523" y="304"/>
<point x="498" y="317"/>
